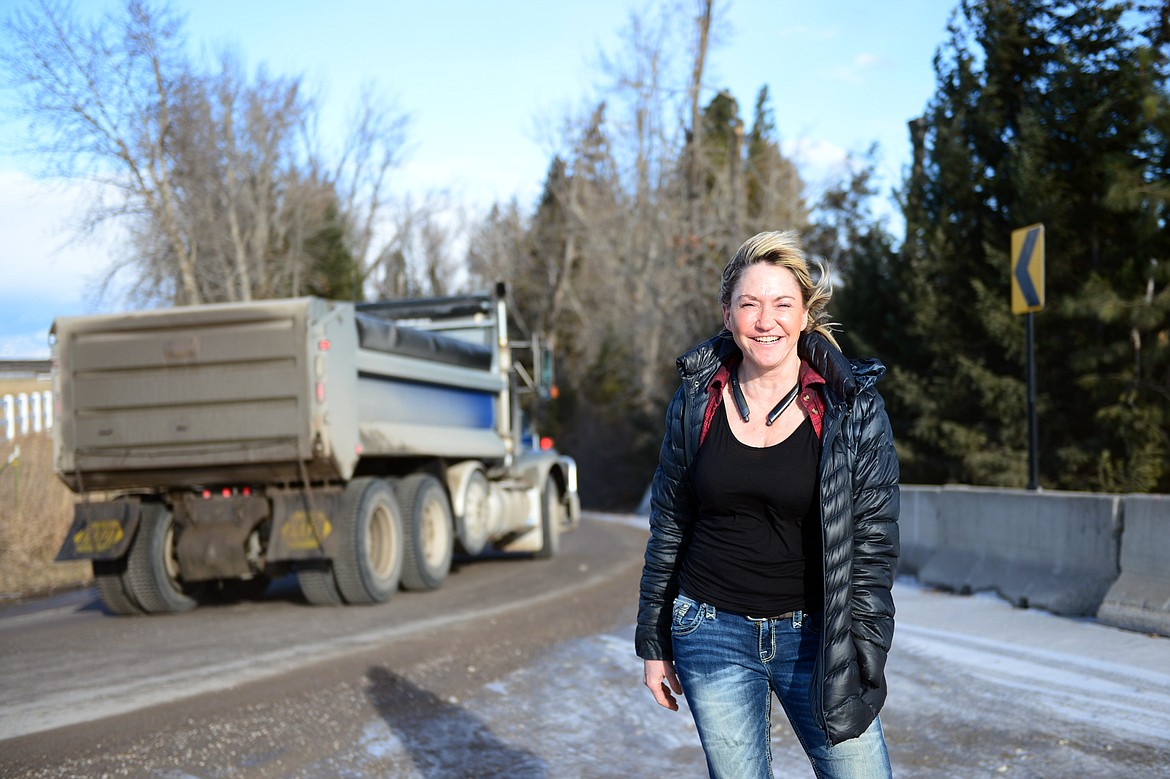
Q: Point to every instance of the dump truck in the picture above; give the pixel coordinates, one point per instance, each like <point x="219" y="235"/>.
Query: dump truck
<point x="357" y="446"/>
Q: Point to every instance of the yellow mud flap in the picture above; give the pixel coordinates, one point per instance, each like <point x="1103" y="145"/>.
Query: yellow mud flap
<point x="302" y="528"/>
<point x="101" y="531"/>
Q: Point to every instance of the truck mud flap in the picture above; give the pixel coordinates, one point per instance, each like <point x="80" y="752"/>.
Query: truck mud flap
<point x="101" y="531"/>
<point x="302" y="526"/>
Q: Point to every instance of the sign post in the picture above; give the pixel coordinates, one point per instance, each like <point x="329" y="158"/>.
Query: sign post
<point x="1027" y="298"/>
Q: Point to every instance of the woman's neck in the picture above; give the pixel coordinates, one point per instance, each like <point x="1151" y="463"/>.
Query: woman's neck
<point x="777" y="380"/>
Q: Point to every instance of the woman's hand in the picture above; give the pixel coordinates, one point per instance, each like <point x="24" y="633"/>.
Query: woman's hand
<point x="659" y="678"/>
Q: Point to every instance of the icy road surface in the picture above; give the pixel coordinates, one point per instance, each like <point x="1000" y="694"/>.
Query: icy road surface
<point x="977" y="688"/>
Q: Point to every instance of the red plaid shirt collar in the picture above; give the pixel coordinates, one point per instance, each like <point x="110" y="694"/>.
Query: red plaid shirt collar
<point x="810" y="398"/>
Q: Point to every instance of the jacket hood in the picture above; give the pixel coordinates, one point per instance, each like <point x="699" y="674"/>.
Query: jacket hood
<point x="843" y="376"/>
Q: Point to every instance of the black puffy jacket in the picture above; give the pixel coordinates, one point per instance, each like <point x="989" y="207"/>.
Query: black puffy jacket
<point x="859" y="512"/>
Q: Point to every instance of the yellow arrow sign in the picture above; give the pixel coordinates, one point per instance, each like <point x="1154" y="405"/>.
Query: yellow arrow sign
<point x="1028" y="269"/>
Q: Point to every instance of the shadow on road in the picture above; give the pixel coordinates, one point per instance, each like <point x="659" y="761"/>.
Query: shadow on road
<point x="443" y="740"/>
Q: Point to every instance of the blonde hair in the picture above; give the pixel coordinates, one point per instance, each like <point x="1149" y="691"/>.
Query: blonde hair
<point x="783" y="249"/>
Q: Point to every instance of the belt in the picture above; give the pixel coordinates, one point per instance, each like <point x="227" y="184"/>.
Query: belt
<point x="786" y="615"/>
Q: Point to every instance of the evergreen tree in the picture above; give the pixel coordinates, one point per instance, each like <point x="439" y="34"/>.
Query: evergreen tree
<point x="1053" y="112"/>
<point x="773" y="187"/>
<point x="333" y="272"/>
<point x="722" y="140"/>
<point x="859" y="252"/>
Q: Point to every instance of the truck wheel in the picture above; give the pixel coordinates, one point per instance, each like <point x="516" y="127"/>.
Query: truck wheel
<point x="550" y="519"/>
<point x="318" y="585"/>
<point x="473" y="525"/>
<point x="152" y="576"/>
<point x="368" y="563"/>
<point x="429" y="531"/>
<point x="108" y="579"/>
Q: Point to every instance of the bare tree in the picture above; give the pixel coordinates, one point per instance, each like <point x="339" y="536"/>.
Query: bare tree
<point x="656" y="91"/>
<point x="604" y="255"/>
<point x="234" y="154"/>
<point x="498" y="250"/>
<point x="418" y="253"/>
<point x="372" y="149"/>
<point x="652" y="188"/>
<point x="694" y="156"/>
<point x="101" y="96"/>
<point x="216" y="175"/>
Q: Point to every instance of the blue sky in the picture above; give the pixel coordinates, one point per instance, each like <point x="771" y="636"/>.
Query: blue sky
<point x="475" y="77"/>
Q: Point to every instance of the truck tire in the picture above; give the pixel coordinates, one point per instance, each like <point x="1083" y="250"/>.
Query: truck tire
<point x="550" y="519"/>
<point x="473" y="525"/>
<point x="430" y="534"/>
<point x="318" y="585"/>
<point x="152" y="575"/>
<point x="109" y="581"/>
<point x="368" y="562"/>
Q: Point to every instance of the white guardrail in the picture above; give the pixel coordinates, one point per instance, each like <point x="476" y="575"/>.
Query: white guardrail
<point x="27" y="412"/>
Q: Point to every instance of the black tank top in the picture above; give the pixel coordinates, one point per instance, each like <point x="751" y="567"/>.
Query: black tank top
<point x="756" y="544"/>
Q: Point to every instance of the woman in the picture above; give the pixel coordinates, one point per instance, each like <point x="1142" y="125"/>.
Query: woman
<point x="773" y="535"/>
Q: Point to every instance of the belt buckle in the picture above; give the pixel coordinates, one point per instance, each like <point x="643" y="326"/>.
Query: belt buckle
<point x="787" y="615"/>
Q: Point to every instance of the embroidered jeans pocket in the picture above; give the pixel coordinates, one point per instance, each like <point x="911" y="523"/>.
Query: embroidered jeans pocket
<point x="686" y="618"/>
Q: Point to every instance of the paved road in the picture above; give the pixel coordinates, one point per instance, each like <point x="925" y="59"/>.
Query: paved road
<point x="524" y="668"/>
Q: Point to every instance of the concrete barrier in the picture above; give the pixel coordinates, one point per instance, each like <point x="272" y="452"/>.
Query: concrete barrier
<point x="1071" y="553"/>
<point x="917" y="527"/>
<point x="1140" y="598"/>
<point x="1055" y="551"/>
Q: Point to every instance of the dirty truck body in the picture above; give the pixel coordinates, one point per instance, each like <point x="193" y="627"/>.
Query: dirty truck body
<point x="358" y="446"/>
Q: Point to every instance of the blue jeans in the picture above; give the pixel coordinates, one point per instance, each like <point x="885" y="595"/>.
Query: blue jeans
<point x="729" y="666"/>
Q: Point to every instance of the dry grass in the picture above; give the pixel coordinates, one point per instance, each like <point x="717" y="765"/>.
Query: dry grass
<point x="35" y="512"/>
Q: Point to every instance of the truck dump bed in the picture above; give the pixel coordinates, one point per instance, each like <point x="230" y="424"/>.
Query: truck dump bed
<point x="193" y="391"/>
<point x="261" y="392"/>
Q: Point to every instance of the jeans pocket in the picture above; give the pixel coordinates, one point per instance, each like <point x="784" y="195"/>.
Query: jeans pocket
<point x="686" y="618"/>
